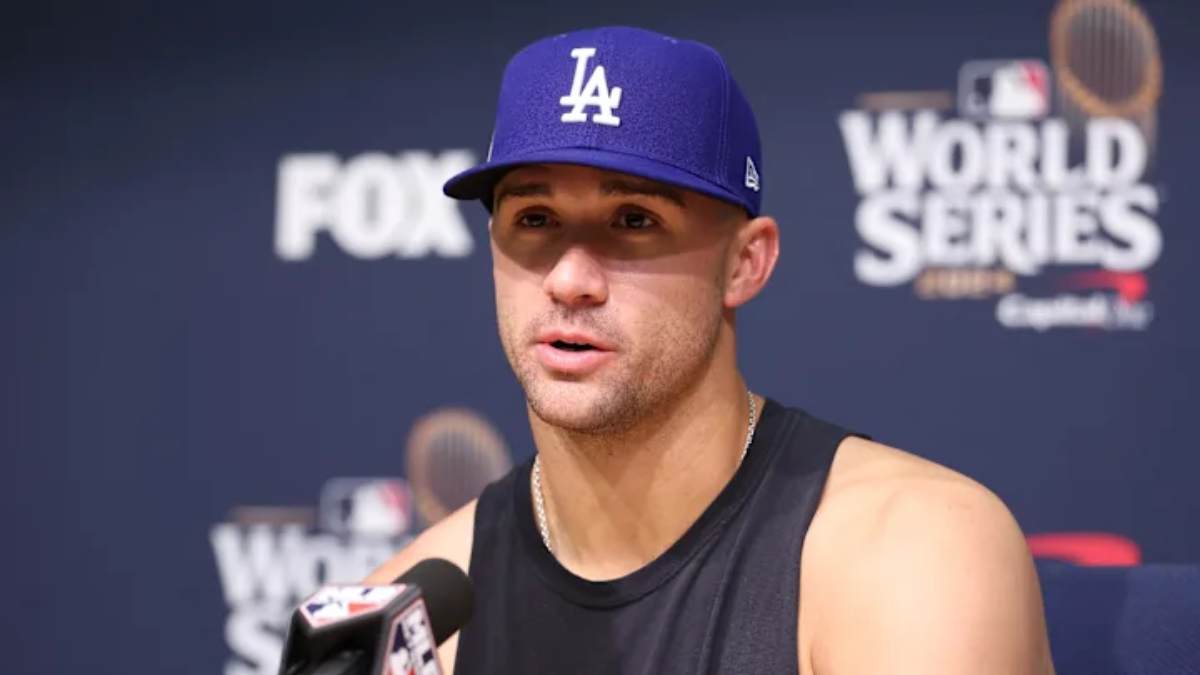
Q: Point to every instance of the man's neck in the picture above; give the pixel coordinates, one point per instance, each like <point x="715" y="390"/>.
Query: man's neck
<point x="617" y="502"/>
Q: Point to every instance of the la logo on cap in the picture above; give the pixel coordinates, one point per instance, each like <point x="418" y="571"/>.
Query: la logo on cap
<point x="594" y="93"/>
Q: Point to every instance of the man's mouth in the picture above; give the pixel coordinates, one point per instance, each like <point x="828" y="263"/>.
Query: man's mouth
<point x="572" y="346"/>
<point x="572" y="353"/>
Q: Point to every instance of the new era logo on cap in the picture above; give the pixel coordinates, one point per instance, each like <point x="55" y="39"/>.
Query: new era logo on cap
<point x="626" y="100"/>
<point x="751" y="174"/>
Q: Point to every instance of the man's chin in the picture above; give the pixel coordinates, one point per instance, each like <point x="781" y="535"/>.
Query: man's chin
<point x="583" y="407"/>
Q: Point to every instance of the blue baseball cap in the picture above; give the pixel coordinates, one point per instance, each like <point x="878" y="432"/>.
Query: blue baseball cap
<point x="626" y="100"/>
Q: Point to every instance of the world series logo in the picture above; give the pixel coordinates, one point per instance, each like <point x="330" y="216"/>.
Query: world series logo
<point x="1029" y="185"/>
<point x="269" y="558"/>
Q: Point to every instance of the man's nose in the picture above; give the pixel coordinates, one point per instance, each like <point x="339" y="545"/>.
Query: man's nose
<point x="577" y="279"/>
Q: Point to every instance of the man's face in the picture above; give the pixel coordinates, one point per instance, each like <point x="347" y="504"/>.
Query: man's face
<point x="609" y="290"/>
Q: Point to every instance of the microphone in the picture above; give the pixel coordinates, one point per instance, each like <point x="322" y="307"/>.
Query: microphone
<point x="379" y="630"/>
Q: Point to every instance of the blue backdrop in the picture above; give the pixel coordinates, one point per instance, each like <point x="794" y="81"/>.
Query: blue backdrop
<point x="229" y="277"/>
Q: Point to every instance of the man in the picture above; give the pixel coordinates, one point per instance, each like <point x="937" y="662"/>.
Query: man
<point x="660" y="527"/>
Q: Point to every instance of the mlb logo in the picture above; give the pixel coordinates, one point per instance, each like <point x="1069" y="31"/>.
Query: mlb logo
<point x="333" y="604"/>
<point x="1014" y="89"/>
<point x="369" y="507"/>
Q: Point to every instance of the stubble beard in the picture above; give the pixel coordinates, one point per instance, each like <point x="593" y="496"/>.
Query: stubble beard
<point x="646" y="379"/>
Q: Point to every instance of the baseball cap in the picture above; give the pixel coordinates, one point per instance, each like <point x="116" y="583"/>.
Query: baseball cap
<point x="627" y="100"/>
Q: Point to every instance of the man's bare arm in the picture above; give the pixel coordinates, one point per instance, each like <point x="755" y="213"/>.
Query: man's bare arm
<point x="450" y="539"/>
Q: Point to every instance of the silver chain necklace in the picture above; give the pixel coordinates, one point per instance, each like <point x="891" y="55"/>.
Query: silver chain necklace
<point x="539" y="499"/>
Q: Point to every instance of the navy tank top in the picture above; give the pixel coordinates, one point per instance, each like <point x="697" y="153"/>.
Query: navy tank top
<point x="723" y="599"/>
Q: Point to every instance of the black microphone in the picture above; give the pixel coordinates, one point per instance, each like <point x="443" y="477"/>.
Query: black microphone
<point x="379" y="630"/>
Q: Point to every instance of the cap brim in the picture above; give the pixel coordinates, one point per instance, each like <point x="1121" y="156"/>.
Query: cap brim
<point x="478" y="182"/>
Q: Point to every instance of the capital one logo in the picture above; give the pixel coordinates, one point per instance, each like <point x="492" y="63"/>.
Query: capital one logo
<point x="594" y="93"/>
<point x="372" y="205"/>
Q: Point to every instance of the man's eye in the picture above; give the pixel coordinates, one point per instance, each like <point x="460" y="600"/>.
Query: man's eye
<point x="534" y="220"/>
<point x="635" y="220"/>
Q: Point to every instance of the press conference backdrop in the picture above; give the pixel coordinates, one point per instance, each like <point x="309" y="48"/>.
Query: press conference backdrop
<point x="250" y="347"/>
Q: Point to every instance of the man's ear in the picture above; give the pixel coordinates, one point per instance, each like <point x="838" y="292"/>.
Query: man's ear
<point x="752" y="259"/>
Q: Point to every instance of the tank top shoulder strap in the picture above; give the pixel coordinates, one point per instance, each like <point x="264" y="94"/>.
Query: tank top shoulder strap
<point x="492" y="539"/>
<point x="761" y="598"/>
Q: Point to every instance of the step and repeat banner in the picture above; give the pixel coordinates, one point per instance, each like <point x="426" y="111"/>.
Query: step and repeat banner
<point x="250" y="347"/>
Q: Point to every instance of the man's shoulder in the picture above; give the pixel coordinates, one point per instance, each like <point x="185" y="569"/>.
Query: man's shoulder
<point x="901" y="547"/>
<point x="450" y="539"/>
<point x="877" y="497"/>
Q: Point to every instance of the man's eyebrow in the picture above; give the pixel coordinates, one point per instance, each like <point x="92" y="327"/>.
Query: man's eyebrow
<point x="644" y="188"/>
<point x="529" y="189"/>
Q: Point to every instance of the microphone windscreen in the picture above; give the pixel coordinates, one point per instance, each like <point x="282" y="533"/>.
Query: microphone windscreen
<point x="446" y="590"/>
